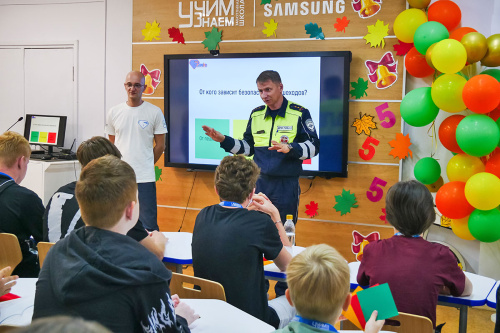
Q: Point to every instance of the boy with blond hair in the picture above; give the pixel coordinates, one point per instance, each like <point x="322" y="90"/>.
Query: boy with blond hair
<point x="318" y="287"/>
<point x="100" y="274"/>
<point x="21" y="209"/>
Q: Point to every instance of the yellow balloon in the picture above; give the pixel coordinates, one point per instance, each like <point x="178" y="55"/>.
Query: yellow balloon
<point x="421" y="4"/>
<point x="446" y="92"/>
<point x="449" y="56"/>
<point x="428" y="56"/>
<point x="407" y="22"/>
<point x="482" y="191"/>
<point x="462" y="166"/>
<point x="475" y="46"/>
<point x="492" y="57"/>
<point x="461" y="228"/>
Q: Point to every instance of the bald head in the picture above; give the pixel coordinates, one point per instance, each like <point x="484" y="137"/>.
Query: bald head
<point x="135" y="74"/>
<point x="134" y="85"/>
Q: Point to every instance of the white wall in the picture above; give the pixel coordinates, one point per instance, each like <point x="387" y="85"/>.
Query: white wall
<point x="103" y="29"/>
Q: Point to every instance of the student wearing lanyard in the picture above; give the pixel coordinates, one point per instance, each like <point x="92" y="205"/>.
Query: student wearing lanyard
<point x="318" y="287"/>
<point x="415" y="269"/>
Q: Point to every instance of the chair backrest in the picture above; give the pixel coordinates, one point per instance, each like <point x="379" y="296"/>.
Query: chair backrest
<point x="207" y="289"/>
<point x="10" y="251"/>
<point x="407" y="323"/>
<point x="43" y="249"/>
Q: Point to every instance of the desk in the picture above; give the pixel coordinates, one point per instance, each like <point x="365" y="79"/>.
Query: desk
<point x="219" y="316"/>
<point x="18" y="312"/>
<point x="178" y="249"/>
<point x="482" y="287"/>
<point x="272" y="272"/>
<point x="491" y="300"/>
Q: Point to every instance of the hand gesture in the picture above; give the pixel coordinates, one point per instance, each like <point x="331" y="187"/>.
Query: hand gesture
<point x="280" y="147"/>
<point x="373" y="325"/>
<point x="186" y="312"/>
<point x="5" y="286"/>
<point x="261" y="203"/>
<point x="213" y="134"/>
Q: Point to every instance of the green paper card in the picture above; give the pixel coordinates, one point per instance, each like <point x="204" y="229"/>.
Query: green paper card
<point x="377" y="298"/>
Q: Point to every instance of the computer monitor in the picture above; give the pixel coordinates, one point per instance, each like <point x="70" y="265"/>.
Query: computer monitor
<point x="45" y="130"/>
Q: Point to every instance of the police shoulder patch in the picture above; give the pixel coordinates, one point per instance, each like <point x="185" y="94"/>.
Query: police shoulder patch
<point x="297" y="107"/>
<point x="310" y="125"/>
<point x="259" y="108"/>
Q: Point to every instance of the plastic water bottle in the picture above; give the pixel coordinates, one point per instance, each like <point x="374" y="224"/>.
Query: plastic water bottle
<point x="290" y="229"/>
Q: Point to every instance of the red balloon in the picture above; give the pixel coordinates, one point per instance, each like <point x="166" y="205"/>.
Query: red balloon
<point x="446" y="12"/>
<point x="495" y="114"/>
<point x="481" y="94"/>
<point x="416" y="64"/>
<point x="451" y="201"/>
<point x="460" y="32"/>
<point x="447" y="132"/>
<point x="493" y="163"/>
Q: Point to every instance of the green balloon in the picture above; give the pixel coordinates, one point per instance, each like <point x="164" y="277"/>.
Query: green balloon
<point x="417" y="107"/>
<point x="429" y="33"/>
<point x="492" y="72"/>
<point x="484" y="225"/>
<point x="427" y="170"/>
<point x="477" y="135"/>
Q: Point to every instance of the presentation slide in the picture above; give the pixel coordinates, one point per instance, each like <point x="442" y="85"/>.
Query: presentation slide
<point x="222" y="95"/>
<point x="44" y="130"/>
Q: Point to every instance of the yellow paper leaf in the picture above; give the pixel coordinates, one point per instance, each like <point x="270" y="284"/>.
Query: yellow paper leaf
<point x="376" y="34"/>
<point x="151" y="31"/>
<point x="270" y="28"/>
<point x="364" y="124"/>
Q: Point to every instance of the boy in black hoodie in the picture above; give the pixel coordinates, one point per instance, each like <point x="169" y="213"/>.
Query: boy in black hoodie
<point x="97" y="272"/>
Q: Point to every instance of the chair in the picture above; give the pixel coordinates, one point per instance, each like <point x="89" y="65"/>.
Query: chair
<point x="408" y="323"/>
<point x="7" y="328"/>
<point x="10" y="251"/>
<point x="208" y="289"/>
<point x="43" y="249"/>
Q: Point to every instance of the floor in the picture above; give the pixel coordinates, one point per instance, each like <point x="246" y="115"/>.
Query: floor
<point x="479" y="318"/>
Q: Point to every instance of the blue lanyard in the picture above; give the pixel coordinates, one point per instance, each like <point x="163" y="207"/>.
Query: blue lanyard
<point x="400" y="234"/>
<point x="314" y="323"/>
<point x="230" y="204"/>
<point x="4" y="174"/>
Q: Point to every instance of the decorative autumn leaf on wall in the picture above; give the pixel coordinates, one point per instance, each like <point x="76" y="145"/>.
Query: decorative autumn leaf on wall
<point x="158" y="173"/>
<point x="402" y="48"/>
<point x="270" y="28"/>
<point x="314" y="31"/>
<point x="364" y="123"/>
<point x="151" y="31"/>
<point x="359" y="88"/>
<point x="176" y="35"/>
<point x="341" y="24"/>
<point x="401" y="146"/>
<point x="376" y="34"/>
<point x="263" y="2"/>
<point x="212" y="38"/>
<point x="345" y="202"/>
<point x="383" y="216"/>
<point x="312" y="209"/>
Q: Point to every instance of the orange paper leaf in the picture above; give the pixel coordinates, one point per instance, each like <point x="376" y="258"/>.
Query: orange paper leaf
<point x="364" y="123"/>
<point x="341" y="24"/>
<point x="401" y="146"/>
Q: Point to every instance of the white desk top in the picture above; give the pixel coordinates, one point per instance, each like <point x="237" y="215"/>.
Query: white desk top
<point x="491" y="300"/>
<point x="481" y="288"/>
<point x="272" y="271"/>
<point x="219" y="316"/>
<point x="178" y="249"/>
<point x="18" y="312"/>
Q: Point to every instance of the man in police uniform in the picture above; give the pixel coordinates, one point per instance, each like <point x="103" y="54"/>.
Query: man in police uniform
<point x="280" y="135"/>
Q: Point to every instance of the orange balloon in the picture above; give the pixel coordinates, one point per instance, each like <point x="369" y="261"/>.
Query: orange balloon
<point x="447" y="131"/>
<point x="446" y="12"/>
<point x="416" y="64"/>
<point x="493" y="163"/>
<point x="481" y="94"/>
<point x="459" y="33"/>
<point x="461" y="228"/>
<point x="451" y="201"/>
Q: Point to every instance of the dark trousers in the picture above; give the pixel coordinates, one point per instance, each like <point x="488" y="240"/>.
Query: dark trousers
<point x="283" y="192"/>
<point x="147" y="205"/>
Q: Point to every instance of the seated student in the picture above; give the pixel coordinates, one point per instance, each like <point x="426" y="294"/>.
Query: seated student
<point x="6" y="283"/>
<point x="318" y="287"/>
<point x="62" y="324"/>
<point x="229" y="241"/>
<point x="98" y="273"/>
<point x="416" y="270"/>
<point x="21" y="209"/>
<point x="62" y="214"/>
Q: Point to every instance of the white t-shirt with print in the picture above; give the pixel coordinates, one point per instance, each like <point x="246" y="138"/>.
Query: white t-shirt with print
<point x="134" y="129"/>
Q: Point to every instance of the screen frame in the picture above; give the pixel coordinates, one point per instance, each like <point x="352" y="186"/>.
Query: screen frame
<point x="61" y="131"/>
<point x="347" y="55"/>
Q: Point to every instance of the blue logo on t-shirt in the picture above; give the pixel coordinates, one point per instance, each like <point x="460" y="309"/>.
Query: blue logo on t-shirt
<point x="143" y="123"/>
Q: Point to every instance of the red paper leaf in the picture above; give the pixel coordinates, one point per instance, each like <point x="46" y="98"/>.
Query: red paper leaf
<point x="312" y="209"/>
<point x="402" y="48"/>
<point x="341" y="24"/>
<point x="176" y="35"/>
<point x="382" y="217"/>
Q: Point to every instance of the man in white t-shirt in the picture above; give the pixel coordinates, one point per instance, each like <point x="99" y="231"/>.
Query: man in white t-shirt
<point x="134" y="126"/>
